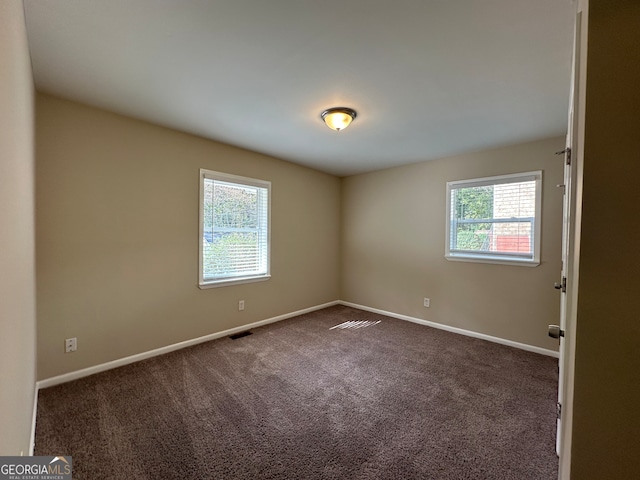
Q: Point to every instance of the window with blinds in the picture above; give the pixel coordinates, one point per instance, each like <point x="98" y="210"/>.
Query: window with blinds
<point x="495" y="219"/>
<point x="234" y="229"/>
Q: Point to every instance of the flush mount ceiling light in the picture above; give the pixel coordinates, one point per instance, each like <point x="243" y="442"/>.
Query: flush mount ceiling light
<point x="338" y="118"/>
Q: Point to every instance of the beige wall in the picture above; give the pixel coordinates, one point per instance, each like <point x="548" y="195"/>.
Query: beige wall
<point x="393" y="234"/>
<point x="17" y="237"/>
<point x="117" y="237"/>
<point x="606" y="423"/>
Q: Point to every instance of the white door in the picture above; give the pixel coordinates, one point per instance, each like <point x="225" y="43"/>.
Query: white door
<point x="568" y="229"/>
<point x="559" y="331"/>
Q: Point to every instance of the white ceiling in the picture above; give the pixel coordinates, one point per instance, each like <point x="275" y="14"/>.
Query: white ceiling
<point x="428" y="78"/>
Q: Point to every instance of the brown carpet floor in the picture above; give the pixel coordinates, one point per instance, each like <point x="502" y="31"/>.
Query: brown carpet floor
<point x="297" y="400"/>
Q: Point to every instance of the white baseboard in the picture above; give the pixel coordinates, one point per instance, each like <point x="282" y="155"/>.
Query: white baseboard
<point x="461" y="331"/>
<point x="85" y="372"/>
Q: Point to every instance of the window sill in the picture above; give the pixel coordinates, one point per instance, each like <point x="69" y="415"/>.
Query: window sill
<point x="496" y="260"/>
<point x="233" y="281"/>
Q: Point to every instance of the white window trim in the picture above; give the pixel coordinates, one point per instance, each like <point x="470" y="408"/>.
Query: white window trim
<point x="488" y="258"/>
<point x="227" y="177"/>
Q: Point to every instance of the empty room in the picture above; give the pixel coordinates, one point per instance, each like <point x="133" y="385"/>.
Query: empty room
<point x="319" y="240"/>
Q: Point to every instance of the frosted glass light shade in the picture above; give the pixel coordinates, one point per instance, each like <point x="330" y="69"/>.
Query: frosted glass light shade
<point x="338" y="118"/>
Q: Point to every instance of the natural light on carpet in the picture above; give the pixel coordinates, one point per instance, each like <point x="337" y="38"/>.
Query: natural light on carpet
<point x="356" y="324"/>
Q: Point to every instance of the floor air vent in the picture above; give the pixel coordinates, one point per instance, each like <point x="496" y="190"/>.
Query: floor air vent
<point x="353" y="324"/>
<point x="236" y="336"/>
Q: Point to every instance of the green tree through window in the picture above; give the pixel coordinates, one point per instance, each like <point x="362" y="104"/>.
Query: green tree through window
<point x="235" y="233"/>
<point x="474" y="203"/>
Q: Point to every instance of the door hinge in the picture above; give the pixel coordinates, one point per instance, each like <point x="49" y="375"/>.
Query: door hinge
<point x="562" y="285"/>
<point x="567" y="154"/>
<point x="558" y="410"/>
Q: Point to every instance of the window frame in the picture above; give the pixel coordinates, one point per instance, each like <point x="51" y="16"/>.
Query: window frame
<point x="244" y="182"/>
<point x="492" y="257"/>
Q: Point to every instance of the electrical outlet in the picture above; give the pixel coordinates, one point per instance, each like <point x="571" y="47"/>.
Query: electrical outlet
<point x="70" y="345"/>
<point x="241" y="305"/>
<point x="427" y="302"/>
